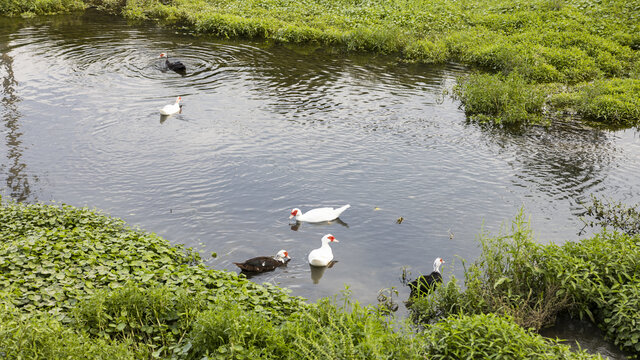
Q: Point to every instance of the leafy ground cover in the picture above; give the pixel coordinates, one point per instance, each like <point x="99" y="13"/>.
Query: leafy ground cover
<point x="532" y="283"/>
<point x="77" y="284"/>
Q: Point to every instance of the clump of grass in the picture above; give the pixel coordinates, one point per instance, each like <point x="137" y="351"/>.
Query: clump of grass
<point x="510" y="100"/>
<point x="508" y="278"/>
<point x="611" y="101"/>
<point x="154" y="318"/>
<point x="39" y="7"/>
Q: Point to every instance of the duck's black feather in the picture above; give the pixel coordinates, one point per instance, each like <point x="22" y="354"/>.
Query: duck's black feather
<point x="425" y="283"/>
<point x="260" y="264"/>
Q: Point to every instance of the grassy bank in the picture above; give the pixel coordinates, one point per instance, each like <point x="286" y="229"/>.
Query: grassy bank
<point x="77" y="284"/>
<point x="597" y="278"/>
<point x="29" y="8"/>
<point x="537" y="59"/>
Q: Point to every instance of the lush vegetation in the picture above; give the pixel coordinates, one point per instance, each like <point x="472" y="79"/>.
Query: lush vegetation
<point x="465" y="337"/>
<point x="596" y="278"/>
<point x="28" y="8"/>
<point x="77" y="284"/>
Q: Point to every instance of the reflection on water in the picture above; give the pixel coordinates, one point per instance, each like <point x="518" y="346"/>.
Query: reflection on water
<point x="582" y="334"/>
<point x="317" y="272"/>
<point x="15" y="169"/>
<point x="266" y="128"/>
<point x="295" y="226"/>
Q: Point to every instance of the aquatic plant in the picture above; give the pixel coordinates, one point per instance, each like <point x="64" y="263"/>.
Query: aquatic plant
<point x="53" y="256"/>
<point x="500" y="100"/>
<point x="612" y="215"/>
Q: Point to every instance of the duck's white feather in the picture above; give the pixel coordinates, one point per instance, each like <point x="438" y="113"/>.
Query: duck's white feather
<point x="320" y="214"/>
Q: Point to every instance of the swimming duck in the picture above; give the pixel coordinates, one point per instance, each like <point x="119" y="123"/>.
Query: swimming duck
<point x="323" y="255"/>
<point x="176" y="66"/>
<point x="264" y="263"/>
<point x="426" y="283"/>
<point x="319" y="214"/>
<point x="172" y="108"/>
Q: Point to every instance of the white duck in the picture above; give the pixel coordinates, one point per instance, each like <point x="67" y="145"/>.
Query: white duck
<point x="323" y="255"/>
<point x="319" y="214"/>
<point x="172" y="108"/>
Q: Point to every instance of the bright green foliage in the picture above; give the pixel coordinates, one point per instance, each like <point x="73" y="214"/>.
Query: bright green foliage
<point x="156" y="317"/>
<point x="491" y="98"/>
<point x="621" y="315"/>
<point x="53" y="256"/>
<point x="614" y="101"/>
<point x="42" y="337"/>
<point x="348" y="332"/>
<point x="532" y="283"/>
<point x="226" y="331"/>
<point x="39" y="7"/>
<point x="602" y="277"/>
<point x="492" y="337"/>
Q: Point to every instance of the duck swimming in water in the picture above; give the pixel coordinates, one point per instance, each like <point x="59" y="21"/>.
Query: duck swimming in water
<point x="319" y="214"/>
<point x="264" y="263"/>
<point x="176" y="66"/>
<point x="172" y="108"/>
<point x="323" y="255"/>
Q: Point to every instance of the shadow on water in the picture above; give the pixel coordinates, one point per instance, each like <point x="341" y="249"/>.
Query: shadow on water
<point x="298" y="224"/>
<point x="582" y="334"/>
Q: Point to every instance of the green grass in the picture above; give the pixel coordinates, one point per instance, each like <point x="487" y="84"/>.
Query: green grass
<point x="596" y="278"/>
<point x="488" y="336"/>
<point x="28" y="8"/>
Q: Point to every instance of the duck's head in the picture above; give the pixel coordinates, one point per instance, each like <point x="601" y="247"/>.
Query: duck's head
<point x="163" y="55"/>
<point x="436" y="264"/>
<point x="294" y="213"/>
<point x="282" y="255"/>
<point x="329" y="238"/>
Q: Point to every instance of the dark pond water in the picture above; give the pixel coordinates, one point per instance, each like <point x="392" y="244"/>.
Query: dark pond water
<point x="266" y="128"/>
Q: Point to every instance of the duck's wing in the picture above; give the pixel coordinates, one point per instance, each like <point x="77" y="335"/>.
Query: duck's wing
<point x="259" y="264"/>
<point x="319" y="215"/>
